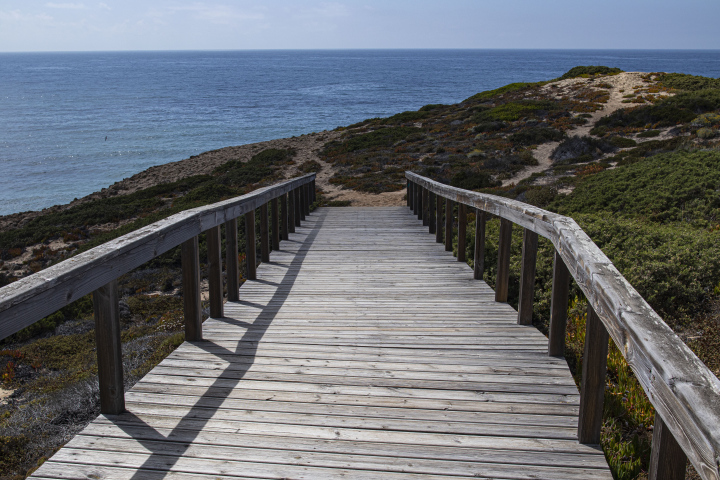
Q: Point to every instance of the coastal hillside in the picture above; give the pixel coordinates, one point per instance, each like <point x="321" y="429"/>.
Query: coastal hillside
<point x="633" y="157"/>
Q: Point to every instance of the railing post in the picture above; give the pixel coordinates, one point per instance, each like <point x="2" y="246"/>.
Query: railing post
<point x="250" y="255"/>
<point x="306" y="191"/>
<point x="275" y="224"/>
<point x="448" y="224"/>
<point x="298" y="207"/>
<point x="415" y="198"/>
<point x="421" y="194"/>
<point x="527" y="277"/>
<point x="314" y="192"/>
<point x="503" y="266"/>
<point x="592" y="392"/>
<point x="291" y="211"/>
<point x="438" y="219"/>
<point x="558" y="307"/>
<point x="667" y="459"/>
<point x="431" y="211"/>
<point x="479" y="260"/>
<point x="215" y="283"/>
<point x="284" y="216"/>
<point x="462" y="232"/>
<point x="302" y="201"/>
<point x="190" y="257"/>
<point x="232" y="267"/>
<point x="408" y="192"/>
<point x="425" y="212"/>
<point x="264" y="234"/>
<point x="109" y="348"/>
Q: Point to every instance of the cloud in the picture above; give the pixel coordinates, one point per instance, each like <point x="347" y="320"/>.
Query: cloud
<point x="104" y="6"/>
<point x="66" y="6"/>
<point x="18" y="16"/>
<point x="216" y="14"/>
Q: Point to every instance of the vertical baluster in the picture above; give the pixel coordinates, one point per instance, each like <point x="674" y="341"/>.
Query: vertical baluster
<point x="264" y="234"/>
<point x="425" y="201"/>
<point x="558" y="307"/>
<point x="190" y="257"/>
<point x="298" y="207"/>
<point x="527" y="277"/>
<point x="215" y="283"/>
<point x="431" y="212"/>
<point x="275" y="224"/>
<point x="592" y="393"/>
<point x="479" y="267"/>
<point x="448" y="224"/>
<point x="232" y="266"/>
<point x="503" y="267"/>
<point x="415" y="201"/>
<point x="314" y="192"/>
<point x="291" y="211"/>
<point x="302" y="201"/>
<point x="109" y="349"/>
<point x="421" y="193"/>
<point x="462" y="232"/>
<point x="250" y="254"/>
<point x="284" y="216"/>
<point x="308" y="200"/>
<point x="408" y="192"/>
<point x="438" y="219"/>
<point x="667" y="459"/>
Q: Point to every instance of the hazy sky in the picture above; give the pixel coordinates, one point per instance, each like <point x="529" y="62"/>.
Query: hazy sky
<point x="30" y="25"/>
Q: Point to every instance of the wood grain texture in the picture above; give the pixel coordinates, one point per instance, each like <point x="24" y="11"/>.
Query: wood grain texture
<point x="479" y="260"/>
<point x="502" y="282"/>
<point x="250" y="240"/>
<point x="594" y="368"/>
<point x="192" y="310"/>
<point x="449" y="218"/>
<point x="284" y="217"/>
<point x="109" y="349"/>
<point x="527" y="277"/>
<point x="462" y="232"/>
<point x="232" y="263"/>
<point x="438" y="219"/>
<point x="678" y="384"/>
<point x="667" y="460"/>
<point x="431" y="212"/>
<point x="275" y="224"/>
<point x="362" y="351"/>
<point x="558" y="307"/>
<point x="215" y="279"/>
<point x="264" y="234"/>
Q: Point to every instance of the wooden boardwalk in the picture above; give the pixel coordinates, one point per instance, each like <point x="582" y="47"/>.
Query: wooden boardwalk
<point x="363" y="351"/>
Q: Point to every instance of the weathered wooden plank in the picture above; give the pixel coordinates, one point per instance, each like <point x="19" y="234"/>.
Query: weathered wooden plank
<point x="215" y="282"/>
<point x="192" y="309"/>
<point x="502" y="282"/>
<point x="449" y="217"/>
<point x="109" y="349"/>
<point x="594" y="369"/>
<point x="264" y="234"/>
<point x="462" y="232"/>
<point x="479" y="260"/>
<point x="232" y="264"/>
<point x="527" y="277"/>
<point x="558" y="307"/>
<point x="275" y="224"/>
<point x="250" y="253"/>
<point x="667" y="460"/>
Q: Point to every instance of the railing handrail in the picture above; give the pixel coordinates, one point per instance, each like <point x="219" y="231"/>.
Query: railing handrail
<point x="29" y="299"/>
<point x="683" y="390"/>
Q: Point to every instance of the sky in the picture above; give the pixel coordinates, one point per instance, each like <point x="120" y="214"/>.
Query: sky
<point x="88" y="25"/>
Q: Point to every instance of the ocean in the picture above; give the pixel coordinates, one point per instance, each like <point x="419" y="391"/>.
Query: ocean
<point x="73" y="123"/>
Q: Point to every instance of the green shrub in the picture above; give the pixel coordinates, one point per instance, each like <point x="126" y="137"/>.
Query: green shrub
<point x="488" y="94"/>
<point x="706" y="133"/>
<point x="536" y="135"/>
<point x="473" y="180"/>
<point x="578" y="149"/>
<point x="489" y="127"/>
<point x="649" y="134"/>
<point x="406" y="117"/>
<point x="383" y="137"/>
<point x="590" y="70"/>
<point x="512" y="111"/>
<point x="681" y="81"/>
<point x="622" y="142"/>
<point x="310" y="166"/>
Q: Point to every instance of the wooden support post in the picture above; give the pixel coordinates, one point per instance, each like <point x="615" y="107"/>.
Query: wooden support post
<point x="298" y="207"/>
<point x="314" y="192"/>
<point x="190" y="257"/>
<point x="302" y="201"/>
<point x="592" y="392"/>
<point x="264" y="234"/>
<point x="232" y="265"/>
<point x="275" y="224"/>
<point x="479" y="260"/>
<point x="250" y="255"/>
<point x="425" y="212"/>
<point x="109" y="348"/>
<point x="462" y="232"/>
<point x="667" y="459"/>
<point x="431" y="212"/>
<point x="527" y="277"/>
<point x="558" y="307"/>
<point x="438" y="219"/>
<point x="308" y="199"/>
<point x="415" y="200"/>
<point x="215" y="283"/>
<point x="448" y="224"/>
<point x="284" y="217"/>
<point x="408" y="192"/>
<point x="291" y="211"/>
<point x="503" y="266"/>
<point x="421" y="204"/>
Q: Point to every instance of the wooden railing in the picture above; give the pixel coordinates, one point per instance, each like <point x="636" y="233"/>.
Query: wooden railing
<point x="28" y="300"/>
<point x="684" y="392"/>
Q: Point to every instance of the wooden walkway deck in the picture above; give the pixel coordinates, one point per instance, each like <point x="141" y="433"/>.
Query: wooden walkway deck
<point x="363" y="351"/>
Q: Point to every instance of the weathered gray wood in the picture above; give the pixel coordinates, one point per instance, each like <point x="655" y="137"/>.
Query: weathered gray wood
<point x="192" y="310"/>
<point x="215" y="282"/>
<point x="462" y="232"/>
<point x="426" y="209"/>
<point x="408" y="192"/>
<point x="298" y="207"/>
<point x="527" y="277"/>
<point x="431" y="212"/>
<point x="109" y="348"/>
<point x="31" y="298"/>
<point x="292" y="222"/>
<point x="302" y="202"/>
<point x="313" y="190"/>
<point x="667" y="459"/>
<point x="479" y="261"/>
<point x="415" y="199"/>
<point x="308" y="199"/>
<point x="250" y="253"/>
<point x="448" y="225"/>
<point x="232" y="264"/>
<point x="558" y="307"/>
<point x="264" y="234"/>
<point x="438" y="219"/>
<point x="594" y="369"/>
<point x="421" y="203"/>
<point x="502" y="282"/>
<point x="275" y="224"/>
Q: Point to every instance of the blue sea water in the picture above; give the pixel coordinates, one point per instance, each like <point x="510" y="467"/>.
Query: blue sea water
<point x="72" y="123"/>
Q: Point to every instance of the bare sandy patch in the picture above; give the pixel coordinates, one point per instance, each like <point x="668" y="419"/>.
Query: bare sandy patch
<point x="4" y="395"/>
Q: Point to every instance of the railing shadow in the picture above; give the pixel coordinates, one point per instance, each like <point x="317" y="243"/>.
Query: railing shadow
<point x="191" y="424"/>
